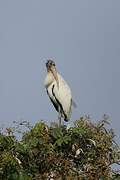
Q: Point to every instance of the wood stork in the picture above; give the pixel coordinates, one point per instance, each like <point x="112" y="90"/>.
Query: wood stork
<point x="58" y="91"/>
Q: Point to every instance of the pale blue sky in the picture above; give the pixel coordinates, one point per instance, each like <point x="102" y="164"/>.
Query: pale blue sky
<point x="82" y="36"/>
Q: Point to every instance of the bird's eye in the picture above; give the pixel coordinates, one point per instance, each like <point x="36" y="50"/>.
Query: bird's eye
<point x="53" y="64"/>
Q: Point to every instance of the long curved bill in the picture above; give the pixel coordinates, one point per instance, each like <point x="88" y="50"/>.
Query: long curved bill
<point x="54" y="72"/>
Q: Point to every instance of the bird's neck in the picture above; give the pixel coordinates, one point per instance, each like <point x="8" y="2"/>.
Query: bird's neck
<point x="49" y="79"/>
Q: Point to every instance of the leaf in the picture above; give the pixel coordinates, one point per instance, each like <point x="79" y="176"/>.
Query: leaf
<point x="59" y="142"/>
<point x="57" y="133"/>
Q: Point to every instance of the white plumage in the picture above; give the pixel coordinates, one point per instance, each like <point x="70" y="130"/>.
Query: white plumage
<point x="58" y="91"/>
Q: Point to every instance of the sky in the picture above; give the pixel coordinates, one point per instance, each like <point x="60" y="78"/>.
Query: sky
<point x="81" y="36"/>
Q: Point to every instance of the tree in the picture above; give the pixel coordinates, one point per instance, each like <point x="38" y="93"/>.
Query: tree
<point x="86" y="151"/>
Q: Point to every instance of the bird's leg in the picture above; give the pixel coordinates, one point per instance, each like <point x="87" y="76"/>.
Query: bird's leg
<point x="59" y="116"/>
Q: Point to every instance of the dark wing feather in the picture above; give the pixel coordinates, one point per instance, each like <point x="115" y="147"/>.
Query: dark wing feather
<point x="59" y="104"/>
<point x="55" y="105"/>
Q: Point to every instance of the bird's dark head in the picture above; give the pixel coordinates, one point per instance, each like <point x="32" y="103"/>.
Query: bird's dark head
<point x="50" y="65"/>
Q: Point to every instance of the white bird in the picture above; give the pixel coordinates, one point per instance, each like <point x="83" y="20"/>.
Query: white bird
<point x="58" y="92"/>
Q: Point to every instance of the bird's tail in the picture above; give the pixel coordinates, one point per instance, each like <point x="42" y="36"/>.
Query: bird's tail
<point x="66" y="120"/>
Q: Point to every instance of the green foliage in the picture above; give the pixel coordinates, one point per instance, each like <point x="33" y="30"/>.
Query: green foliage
<point x="86" y="152"/>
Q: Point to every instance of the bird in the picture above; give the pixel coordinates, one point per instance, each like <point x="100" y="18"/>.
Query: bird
<point x="58" y="91"/>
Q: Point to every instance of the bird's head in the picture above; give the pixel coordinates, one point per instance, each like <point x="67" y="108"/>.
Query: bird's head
<point x="50" y="65"/>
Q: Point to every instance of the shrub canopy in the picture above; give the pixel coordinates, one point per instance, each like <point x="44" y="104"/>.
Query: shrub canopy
<point x="86" y="151"/>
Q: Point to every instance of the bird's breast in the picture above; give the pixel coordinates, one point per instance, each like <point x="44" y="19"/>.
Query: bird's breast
<point x="48" y="80"/>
